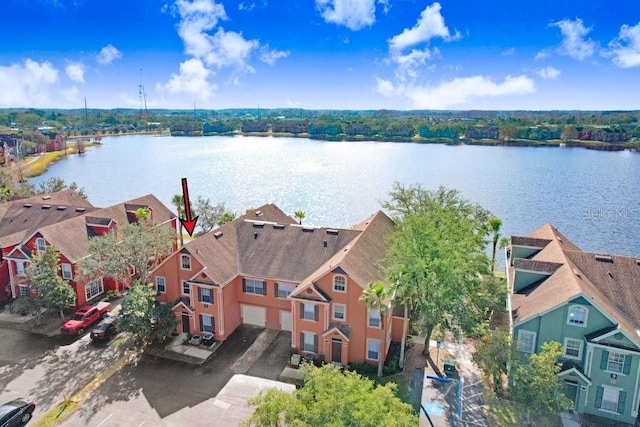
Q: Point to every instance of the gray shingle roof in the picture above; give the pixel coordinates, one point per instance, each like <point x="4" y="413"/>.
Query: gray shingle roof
<point x="21" y="218"/>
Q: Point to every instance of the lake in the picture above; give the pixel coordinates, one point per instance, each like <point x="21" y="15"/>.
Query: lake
<point x="592" y="197"/>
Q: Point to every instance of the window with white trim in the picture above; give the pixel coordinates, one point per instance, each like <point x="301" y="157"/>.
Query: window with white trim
<point x="309" y="312"/>
<point x="21" y="268"/>
<point x="615" y="362"/>
<point x="577" y="315"/>
<point x="573" y="348"/>
<point x="67" y="271"/>
<point x="610" y="399"/>
<point x="373" y="349"/>
<point x="41" y="245"/>
<point x="186" y="289"/>
<point x="308" y="343"/>
<point x="93" y="289"/>
<point x="205" y="295"/>
<point x="23" y="290"/>
<point x="526" y="341"/>
<point x="339" y="312"/>
<point x="374" y="319"/>
<point x="161" y="285"/>
<point x="185" y="262"/>
<point x="206" y="323"/>
<point x="254" y="286"/>
<point x="339" y="283"/>
<point x="283" y="290"/>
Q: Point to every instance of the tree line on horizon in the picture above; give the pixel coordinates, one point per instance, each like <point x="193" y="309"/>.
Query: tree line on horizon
<point x="511" y="125"/>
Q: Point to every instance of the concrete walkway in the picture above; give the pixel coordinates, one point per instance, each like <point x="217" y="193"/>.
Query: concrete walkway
<point x="201" y="353"/>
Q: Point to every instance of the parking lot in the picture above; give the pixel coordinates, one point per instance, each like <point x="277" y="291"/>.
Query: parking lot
<point x="157" y="391"/>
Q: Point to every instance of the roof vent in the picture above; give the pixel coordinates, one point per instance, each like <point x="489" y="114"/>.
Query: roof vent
<point x="577" y="273"/>
<point x="610" y="275"/>
<point x="332" y="231"/>
<point x="27" y="205"/>
<point x="217" y="234"/>
<point x="604" y="258"/>
<point x="255" y="235"/>
<point x="46" y="197"/>
<point x="259" y="213"/>
<point x="278" y="226"/>
<point x="324" y="243"/>
<point x="46" y="207"/>
<point x="308" y="229"/>
<point x="80" y="209"/>
<point x="638" y="262"/>
<point x="258" y="225"/>
<point x="61" y="208"/>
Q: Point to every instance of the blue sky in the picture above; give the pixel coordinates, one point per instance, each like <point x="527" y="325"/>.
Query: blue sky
<point x="321" y="54"/>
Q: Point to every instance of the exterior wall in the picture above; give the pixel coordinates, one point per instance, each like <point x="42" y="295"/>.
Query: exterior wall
<point x="231" y="309"/>
<point x="625" y="382"/>
<point x="270" y="301"/>
<point x="356" y="318"/>
<point x="5" y="290"/>
<point x="174" y="275"/>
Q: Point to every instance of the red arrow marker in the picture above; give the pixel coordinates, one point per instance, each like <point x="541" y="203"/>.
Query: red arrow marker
<point x="188" y="223"/>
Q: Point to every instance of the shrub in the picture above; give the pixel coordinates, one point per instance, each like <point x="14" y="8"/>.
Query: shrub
<point x="110" y="296"/>
<point x="24" y="306"/>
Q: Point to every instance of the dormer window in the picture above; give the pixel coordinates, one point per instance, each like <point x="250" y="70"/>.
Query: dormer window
<point x="40" y="244"/>
<point x="339" y="283"/>
<point x="577" y="315"/>
<point x="185" y="262"/>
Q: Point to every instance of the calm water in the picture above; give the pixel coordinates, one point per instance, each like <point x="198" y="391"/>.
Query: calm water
<point x="591" y="197"/>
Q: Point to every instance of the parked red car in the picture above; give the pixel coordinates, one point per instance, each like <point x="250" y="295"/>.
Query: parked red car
<point x="85" y="317"/>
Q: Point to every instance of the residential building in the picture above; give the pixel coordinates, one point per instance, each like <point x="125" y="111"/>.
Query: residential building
<point x="66" y="221"/>
<point x="589" y="303"/>
<point x="264" y="269"/>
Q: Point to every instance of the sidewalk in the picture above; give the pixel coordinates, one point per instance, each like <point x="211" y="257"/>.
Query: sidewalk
<point x="177" y="350"/>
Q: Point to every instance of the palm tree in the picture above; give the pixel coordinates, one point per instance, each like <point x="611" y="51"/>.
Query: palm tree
<point x="494" y="228"/>
<point x="178" y="202"/>
<point x="375" y="296"/>
<point x="403" y="291"/>
<point x="300" y="215"/>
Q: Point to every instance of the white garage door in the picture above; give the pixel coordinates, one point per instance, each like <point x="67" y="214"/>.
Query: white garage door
<point x="286" y="321"/>
<point x="252" y="315"/>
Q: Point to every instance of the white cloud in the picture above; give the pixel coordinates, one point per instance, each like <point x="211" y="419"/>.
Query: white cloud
<point x="247" y="7"/>
<point x="108" y="54"/>
<point x="270" y="56"/>
<point x="625" y="49"/>
<point x="549" y="73"/>
<point x="75" y="72"/>
<point x="385" y="6"/>
<point x="198" y="17"/>
<point x="27" y="84"/>
<point x="459" y="91"/>
<point x="230" y="49"/>
<point x="193" y="80"/>
<point x="353" y="14"/>
<point x="543" y="54"/>
<point x="409" y="63"/>
<point x="509" y="52"/>
<point x="574" y="43"/>
<point x="385" y="87"/>
<point x="430" y="24"/>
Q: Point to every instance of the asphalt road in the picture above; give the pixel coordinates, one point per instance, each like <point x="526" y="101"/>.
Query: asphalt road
<point x="157" y="391"/>
<point x="46" y="369"/>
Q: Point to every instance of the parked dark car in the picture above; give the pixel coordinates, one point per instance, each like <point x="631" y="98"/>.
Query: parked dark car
<point x="18" y="412"/>
<point x="106" y="329"/>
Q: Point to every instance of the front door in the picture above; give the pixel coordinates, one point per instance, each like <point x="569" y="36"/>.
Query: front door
<point x="572" y="392"/>
<point x="336" y="350"/>
<point x="185" y="324"/>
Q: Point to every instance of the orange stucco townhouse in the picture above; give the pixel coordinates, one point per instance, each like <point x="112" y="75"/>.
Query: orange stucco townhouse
<point x="267" y="270"/>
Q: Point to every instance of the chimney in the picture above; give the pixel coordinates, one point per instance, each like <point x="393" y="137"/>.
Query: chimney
<point x="255" y="235"/>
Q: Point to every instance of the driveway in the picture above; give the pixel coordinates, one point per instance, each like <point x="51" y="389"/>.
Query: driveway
<point x="158" y="391"/>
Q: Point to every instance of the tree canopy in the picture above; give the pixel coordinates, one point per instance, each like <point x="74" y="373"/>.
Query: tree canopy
<point x="330" y="397"/>
<point x="536" y="385"/>
<point x="134" y="245"/>
<point x="145" y="317"/>
<point x="52" y="291"/>
<point x="438" y="250"/>
<point x="211" y="215"/>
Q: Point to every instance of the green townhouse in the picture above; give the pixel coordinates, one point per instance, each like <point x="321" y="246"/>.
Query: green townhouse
<point x="590" y="303"/>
